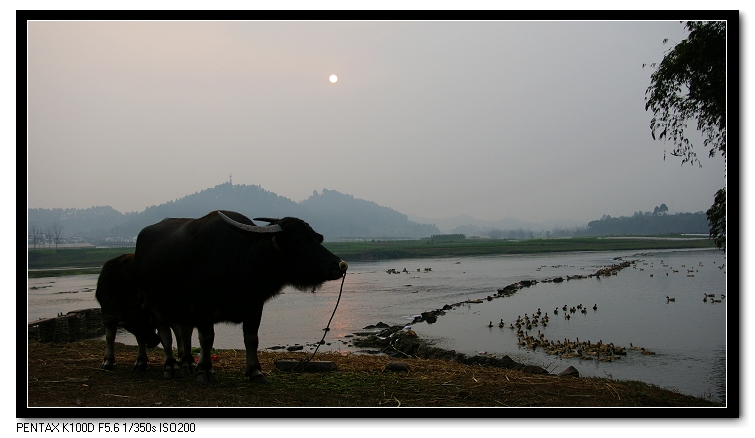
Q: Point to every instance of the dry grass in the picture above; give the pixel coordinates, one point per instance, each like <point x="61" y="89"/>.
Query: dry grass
<point x="68" y="375"/>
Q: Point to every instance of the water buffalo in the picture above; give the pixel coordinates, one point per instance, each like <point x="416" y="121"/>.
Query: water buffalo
<point x="118" y="296"/>
<point x="221" y="267"/>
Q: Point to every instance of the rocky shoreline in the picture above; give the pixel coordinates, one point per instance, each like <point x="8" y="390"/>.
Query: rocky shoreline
<point x="400" y="341"/>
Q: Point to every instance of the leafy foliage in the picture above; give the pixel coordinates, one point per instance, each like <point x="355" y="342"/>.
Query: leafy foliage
<point x="717" y="219"/>
<point x="690" y="83"/>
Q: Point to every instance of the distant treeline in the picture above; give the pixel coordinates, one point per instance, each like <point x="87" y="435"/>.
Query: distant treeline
<point x="640" y="224"/>
<point x="649" y="224"/>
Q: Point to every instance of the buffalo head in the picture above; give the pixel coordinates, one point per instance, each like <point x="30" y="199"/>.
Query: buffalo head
<point x="298" y="251"/>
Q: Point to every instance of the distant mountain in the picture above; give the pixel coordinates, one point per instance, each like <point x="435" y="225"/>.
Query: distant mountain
<point x="336" y="215"/>
<point x="333" y="214"/>
<point x="340" y="216"/>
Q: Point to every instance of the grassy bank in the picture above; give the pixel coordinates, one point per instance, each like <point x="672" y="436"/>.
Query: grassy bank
<point x="52" y="263"/>
<point x="68" y="375"/>
<point x="47" y="263"/>
<point x="376" y="250"/>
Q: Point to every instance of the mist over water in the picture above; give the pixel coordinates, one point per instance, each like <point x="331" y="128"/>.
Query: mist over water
<point x="687" y="335"/>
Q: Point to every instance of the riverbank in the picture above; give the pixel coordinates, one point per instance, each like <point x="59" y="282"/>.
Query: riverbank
<point x="68" y="375"/>
<point x="50" y="263"/>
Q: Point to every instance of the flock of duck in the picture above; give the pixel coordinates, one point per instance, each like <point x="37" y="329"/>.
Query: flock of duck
<point x="603" y="352"/>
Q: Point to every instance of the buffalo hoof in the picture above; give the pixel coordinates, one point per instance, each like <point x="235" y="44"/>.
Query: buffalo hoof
<point x="106" y="366"/>
<point x="139" y="366"/>
<point x="172" y="372"/>
<point x="259" y="378"/>
<point x="189" y="368"/>
<point x="206" y="377"/>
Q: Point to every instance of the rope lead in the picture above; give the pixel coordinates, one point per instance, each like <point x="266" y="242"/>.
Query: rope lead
<point x="300" y="366"/>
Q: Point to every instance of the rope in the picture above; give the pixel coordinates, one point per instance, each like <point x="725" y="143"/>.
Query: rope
<point x="301" y="365"/>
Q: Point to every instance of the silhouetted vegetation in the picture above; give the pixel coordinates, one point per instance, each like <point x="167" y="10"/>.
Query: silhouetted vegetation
<point x="690" y="83"/>
<point x="647" y="224"/>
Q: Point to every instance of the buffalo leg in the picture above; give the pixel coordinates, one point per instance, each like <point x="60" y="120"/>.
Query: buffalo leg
<point x="184" y="347"/>
<point x="205" y="373"/>
<point x="171" y="368"/>
<point x="141" y="358"/>
<point x="107" y="364"/>
<point x="251" y="342"/>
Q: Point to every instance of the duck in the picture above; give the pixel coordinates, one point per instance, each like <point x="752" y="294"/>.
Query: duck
<point x="633" y="347"/>
<point x="647" y="351"/>
<point x="491" y="324"/>
<point x="501" y="324"/>
<point x="595" y="307"/>
<point x="705" y="298"/>
<point x="670" y="299"/>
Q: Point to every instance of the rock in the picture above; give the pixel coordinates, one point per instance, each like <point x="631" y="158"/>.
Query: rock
<point x="397" y="366"/>
<point x="569" y="372"/>
<point x="295" y="348"/>
<point x="505" y="362"/>
<point x="382" y="325"/>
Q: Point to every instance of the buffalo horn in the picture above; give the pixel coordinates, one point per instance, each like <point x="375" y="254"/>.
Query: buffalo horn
<point x="271" y="221"/>
<point x="251" y="228"/>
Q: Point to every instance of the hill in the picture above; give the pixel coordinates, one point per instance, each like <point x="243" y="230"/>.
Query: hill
<point x="333" y="214"/>
<point x="339" y="216"/>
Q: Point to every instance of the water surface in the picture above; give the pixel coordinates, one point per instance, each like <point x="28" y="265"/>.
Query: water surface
<point x="687" y="335"/>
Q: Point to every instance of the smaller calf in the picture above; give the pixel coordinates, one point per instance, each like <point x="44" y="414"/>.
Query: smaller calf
<point x="121" y="306"/>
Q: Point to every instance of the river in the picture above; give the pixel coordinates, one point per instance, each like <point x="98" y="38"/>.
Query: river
<point x="689" y="336"/>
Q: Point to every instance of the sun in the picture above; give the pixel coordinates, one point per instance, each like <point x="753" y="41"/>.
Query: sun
<point x="333" y="79"/>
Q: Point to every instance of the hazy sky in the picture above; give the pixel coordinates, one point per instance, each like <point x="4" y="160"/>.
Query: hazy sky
<point x="532" y="120"/>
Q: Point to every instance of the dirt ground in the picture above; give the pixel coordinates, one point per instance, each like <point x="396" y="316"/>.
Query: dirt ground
<point x="68" y="375"/>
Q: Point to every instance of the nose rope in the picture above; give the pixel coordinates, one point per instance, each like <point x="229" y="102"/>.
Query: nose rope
<point x="300" y="366"/>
